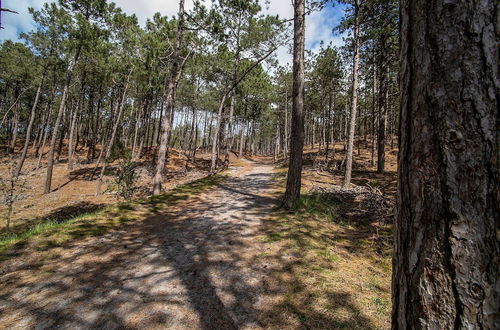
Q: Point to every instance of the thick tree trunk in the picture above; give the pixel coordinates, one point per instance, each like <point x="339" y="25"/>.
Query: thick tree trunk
<point x="354" y="101"/>
<point x="446" y="261"/>
<point x="175" y="73"/>
<point x="293" y="183"/>
<point x="191" y="146"/>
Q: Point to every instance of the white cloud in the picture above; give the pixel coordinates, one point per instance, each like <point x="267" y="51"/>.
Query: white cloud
<point x="13" y="24"/>
<point x="283" y="8"/>
<point x="319" y="25"/>
<point x="147" y="8"/>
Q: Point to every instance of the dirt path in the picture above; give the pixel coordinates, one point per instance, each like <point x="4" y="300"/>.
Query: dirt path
<point x="191" y="266"/>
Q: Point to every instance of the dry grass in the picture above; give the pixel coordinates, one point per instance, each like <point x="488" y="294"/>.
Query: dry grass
<point x="326" y="265"/>
<point x="336" y="271"/>
<point x="74" y="192"/>
<point x="54" y="233"/>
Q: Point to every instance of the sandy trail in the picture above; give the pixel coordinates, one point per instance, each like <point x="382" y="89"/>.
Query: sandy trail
<point x="195" y="265"/>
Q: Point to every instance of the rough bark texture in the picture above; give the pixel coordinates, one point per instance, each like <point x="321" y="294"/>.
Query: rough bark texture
<point x="293" y="183"/>
<point x="446" y="259"/>
<point x="354" y="101"/>
<point x="175" y="73"/>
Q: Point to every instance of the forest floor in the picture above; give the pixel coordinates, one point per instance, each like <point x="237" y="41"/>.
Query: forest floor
<point x="215" y="253"/>
<point x="74" y="192"/>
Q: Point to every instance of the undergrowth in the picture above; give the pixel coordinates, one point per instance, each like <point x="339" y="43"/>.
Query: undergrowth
<point x="335" y="274"/>
<point x="54" y="232"/>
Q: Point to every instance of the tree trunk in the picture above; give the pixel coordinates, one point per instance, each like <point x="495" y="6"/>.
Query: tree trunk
<point x="293" y="183"/>
<point x="50" y="157"/>
<point x="215" y="139"/>
<point x="354" y="101"/>
<point x="374" y="116"/>
<point x="136" y="129"/>
<point x="15" y="128"/>
<point x="175" y="73"/>
<point x="113" y="134"/>
<point x="381" y="137"/>
<point x="28" y="130"/>
<point x="242" y="139"/>
<point x="229" y="135"/>
<point x="71" y="138"/>
<point x="285" y="139"/>
<point x="41" y="149"/>
<point x="446" y="260"/>
<point x="382" y="105"/>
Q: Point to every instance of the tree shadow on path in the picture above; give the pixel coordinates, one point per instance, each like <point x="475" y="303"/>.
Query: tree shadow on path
<point x="194" y="261"/>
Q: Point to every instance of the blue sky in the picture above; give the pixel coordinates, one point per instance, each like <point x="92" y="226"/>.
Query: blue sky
<point x="319" y="25"/>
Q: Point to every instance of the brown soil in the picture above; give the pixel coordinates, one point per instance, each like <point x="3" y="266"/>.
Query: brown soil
<point x="74" y="192"/>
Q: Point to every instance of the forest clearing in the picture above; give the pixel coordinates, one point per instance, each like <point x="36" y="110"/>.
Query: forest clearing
<point x="248" y="164"/>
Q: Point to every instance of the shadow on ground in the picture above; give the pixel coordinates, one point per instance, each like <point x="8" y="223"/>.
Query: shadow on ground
<point x="58" y="215"/>
<point x="193" y="260"/>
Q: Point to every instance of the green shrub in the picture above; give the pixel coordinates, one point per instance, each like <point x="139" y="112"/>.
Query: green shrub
<point x="126" y="178"/>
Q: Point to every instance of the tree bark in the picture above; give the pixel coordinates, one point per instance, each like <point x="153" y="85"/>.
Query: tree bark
<point x="113" y="134"/>
<point x="15" y="128"/>
<point x="382" y="104"/>
<point x="50" y="157"/>
<point x="446" y="259"/>
<point x="242" y="139"/>
<point x="215" y="139"/>
<point x="285" y="139"/>
<point x="354" y="101"/>
<point x="41" y="149"/>
<point x="229" y="135"/>
<point x="71" y="137"/>
<point x="293" y="183"/>
<point x="175" y="73"/>
<point x="374" y="116"/>
<point x="28" y="130"/>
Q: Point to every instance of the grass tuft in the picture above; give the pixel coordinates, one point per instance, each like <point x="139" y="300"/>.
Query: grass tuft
<point x="335" y="268"/>
<point x="272" y="237"/>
